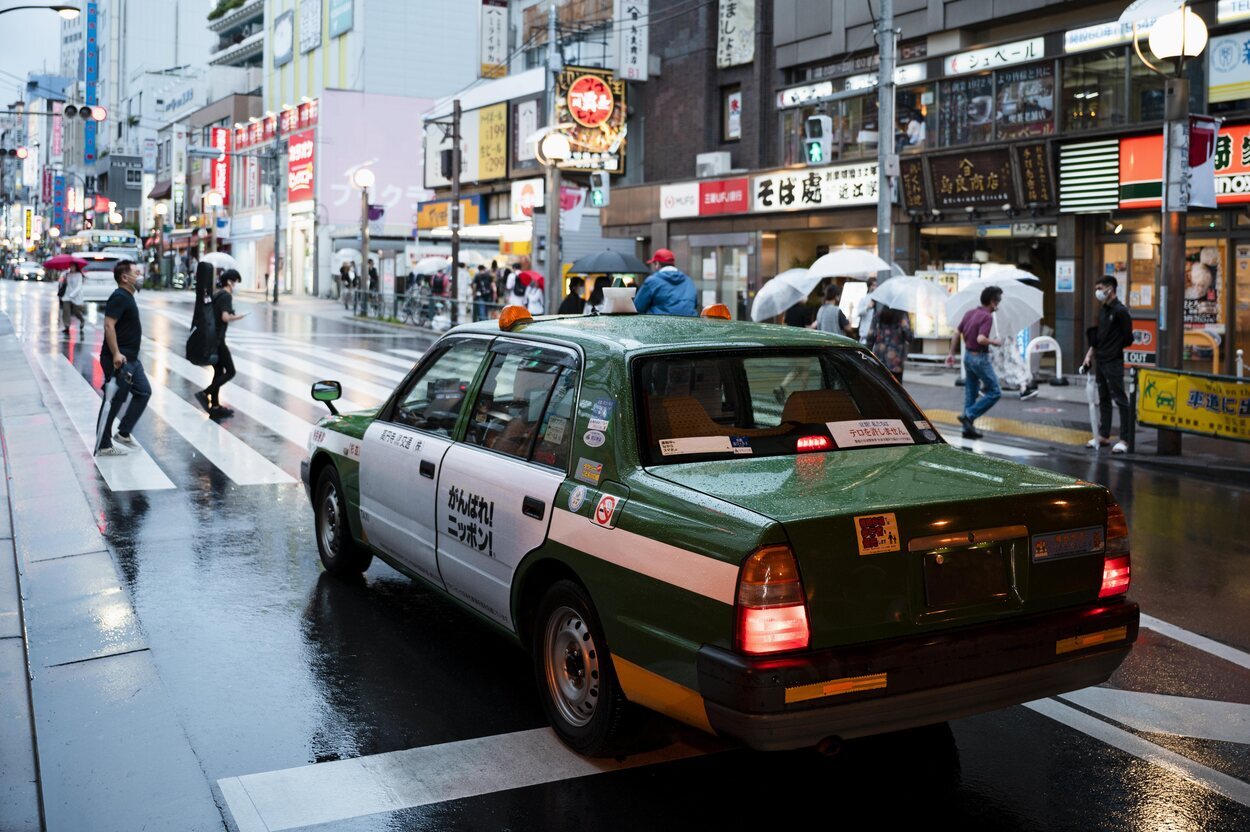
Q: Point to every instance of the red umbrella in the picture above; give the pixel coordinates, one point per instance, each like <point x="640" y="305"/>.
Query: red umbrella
<point x="527" y="277"/>
<point x="64" y="261"/>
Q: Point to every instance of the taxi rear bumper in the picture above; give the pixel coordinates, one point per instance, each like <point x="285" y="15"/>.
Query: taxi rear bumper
<point x="854" y="691"/>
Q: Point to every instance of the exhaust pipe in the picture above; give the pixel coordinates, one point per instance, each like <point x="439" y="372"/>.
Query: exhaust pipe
<point x="829" y="746"/>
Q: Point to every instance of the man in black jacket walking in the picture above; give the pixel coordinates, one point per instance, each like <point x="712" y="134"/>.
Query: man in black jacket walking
<point x="1108" y="340"/>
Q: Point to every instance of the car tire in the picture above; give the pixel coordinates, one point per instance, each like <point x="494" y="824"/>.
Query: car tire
<point x="576" y="680"/>
<point x="340" y="554"/>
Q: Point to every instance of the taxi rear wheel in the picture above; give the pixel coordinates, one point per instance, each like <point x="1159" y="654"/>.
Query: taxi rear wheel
<point x="340" y="554"/>
<point x="576" y="682"/>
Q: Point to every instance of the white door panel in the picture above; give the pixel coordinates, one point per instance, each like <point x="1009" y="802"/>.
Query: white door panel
<point x="398" y="484"/>
<point x="492" y="511"/>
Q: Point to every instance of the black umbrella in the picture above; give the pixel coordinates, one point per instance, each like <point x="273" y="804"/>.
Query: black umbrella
<point x="609" y="262"/>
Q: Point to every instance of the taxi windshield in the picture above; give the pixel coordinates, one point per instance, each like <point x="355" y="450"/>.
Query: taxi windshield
<point x="718" y="405"/>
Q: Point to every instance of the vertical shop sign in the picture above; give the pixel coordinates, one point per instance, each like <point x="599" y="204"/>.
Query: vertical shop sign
<point x="494" y="39"/>
<point x="29" y="224"/>
<point x="735" y="35"/>
<point x="594" y="100"/>
<point x="219" y="169"/>
<point x="58" y="201"/>
<point x="912" y="178"/>
<point x="309" y="25"/>
<point x="1204" y="285"/>
<point x="632" y="37"/>
<point x="58" y="130"/>
<point x="1145" y="343"/>
<point x="733" y="115"/>
<point x="91" y="77"/>
<point x="492" y="148"/>
<point x="300" y="167"/>
<point x="341" y="14"/>
<point x="46" y="190"/>
<point x="283" y="41"/>
<point x="1035" y="180"/>
<point x="524" y="122"/>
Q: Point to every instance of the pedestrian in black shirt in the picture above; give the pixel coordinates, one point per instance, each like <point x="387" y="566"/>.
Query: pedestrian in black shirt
<point x="1108" y="341"/>
<point x="125" y="384"/>
<point x="223" y="370"/>
<point x="573" y="303"/>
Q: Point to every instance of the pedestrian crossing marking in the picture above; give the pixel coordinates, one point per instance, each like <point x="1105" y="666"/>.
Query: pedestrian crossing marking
<point x="1156" y="713"/>
<point x="413" y="354"/>
<point x="1015" y="427"/>
<point x="280" y="421"/>
<point x="406" y="364"/>
<point x="231" y="455"/>
<point x="354" y="385"/>
<point x="136" y="471"/>
<point x="355" y="365"/>
<point x="331" y="792"/>
<point x="984" y="446"/>
<point x="301" y="390"/>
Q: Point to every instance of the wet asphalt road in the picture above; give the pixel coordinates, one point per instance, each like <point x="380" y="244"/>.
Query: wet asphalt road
<point x="271" y="664"/>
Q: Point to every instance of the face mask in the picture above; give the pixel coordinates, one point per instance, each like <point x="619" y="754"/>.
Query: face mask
<point x="1101" y="294"/>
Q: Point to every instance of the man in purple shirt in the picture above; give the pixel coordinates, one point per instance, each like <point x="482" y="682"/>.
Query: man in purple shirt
<point x="981" y="390"/>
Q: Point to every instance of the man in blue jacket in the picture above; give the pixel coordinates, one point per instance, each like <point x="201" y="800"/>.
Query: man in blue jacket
<point x="668" y="291"/>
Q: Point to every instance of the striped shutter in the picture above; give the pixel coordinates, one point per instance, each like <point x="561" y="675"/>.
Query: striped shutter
<point x="1089" y="177"/>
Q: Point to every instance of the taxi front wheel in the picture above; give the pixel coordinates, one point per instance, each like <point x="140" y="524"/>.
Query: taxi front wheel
<point x="340" y="555"/>
<point x="576" y="682"/>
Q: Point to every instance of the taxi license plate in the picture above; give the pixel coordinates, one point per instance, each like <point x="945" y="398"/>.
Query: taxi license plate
<point x="964" y="577"/>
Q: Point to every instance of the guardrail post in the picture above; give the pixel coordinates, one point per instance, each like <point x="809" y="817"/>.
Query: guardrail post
<point x="1241" y="364"/>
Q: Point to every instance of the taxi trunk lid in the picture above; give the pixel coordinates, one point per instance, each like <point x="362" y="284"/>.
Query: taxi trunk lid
<point x="894" y="542"/>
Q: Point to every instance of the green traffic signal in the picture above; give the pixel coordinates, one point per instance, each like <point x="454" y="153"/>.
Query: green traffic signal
<point x="815" y="154"/>
<point x="596" y="198"/>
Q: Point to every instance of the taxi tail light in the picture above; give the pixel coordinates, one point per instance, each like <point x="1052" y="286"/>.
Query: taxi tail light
<point x="1117" y="562"/>
<point x="772" y="606"/>
<point x="809" y="444"/>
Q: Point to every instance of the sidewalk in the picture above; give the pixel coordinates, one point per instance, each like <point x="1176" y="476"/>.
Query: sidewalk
<point x="1058" y="417"/>
<point x="100" y="746"/>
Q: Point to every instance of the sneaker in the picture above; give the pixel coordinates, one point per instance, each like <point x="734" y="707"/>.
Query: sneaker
<point x="112" y="450"/>
<point x="1098" y="443"/>
<point x="220" y="412"/>
<point x="1028" y="394"/>
<point x="128" y="441"/>
<point x="1093" y="443"/>
<point x="1120" y="447"/>
<point x="973" y="433"/>
<point x="965" y="421"/>
<point x="201" y="396"/>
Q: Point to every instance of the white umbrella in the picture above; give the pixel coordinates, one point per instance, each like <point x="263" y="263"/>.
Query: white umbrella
<point x="431" y="265"/>
<point x="911" y="294"/>
<point x="1010" y="273"/>
<point x="472" y="258"/>
<point x="1021" y="305"/>
<point x="782" y="292"/>
<point x="345" y="255"/>
<point x="220" y="260"/>
<point x="848" y="262"/>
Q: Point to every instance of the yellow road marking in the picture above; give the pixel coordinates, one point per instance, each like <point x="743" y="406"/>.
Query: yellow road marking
<point x="1015" y="427"/>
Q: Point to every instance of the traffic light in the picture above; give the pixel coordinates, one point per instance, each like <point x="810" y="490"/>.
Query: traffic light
<point x="600" y="189"/>
<point x="14" y="152"/>
<point x="445" y="160"/>
<point x="84" y="112"/>
<point x="817" y="140"/>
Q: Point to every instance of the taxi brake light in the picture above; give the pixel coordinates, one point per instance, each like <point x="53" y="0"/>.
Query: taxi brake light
<point x="808" y="444"/>
<point x="1117" y="561"/>
<point x="513" y="315"/>
<point x="717" y="310"/>
<point x="772" y="607"/>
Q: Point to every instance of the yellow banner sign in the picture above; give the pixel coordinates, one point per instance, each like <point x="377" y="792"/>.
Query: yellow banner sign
<point x="492" y="137"/>
<point x="1209" y="405"/>
<point x="438" y="214"/>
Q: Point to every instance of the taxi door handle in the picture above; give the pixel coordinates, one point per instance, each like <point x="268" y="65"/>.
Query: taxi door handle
<point x="427" y="469"/>
<point x="532" y="507"/>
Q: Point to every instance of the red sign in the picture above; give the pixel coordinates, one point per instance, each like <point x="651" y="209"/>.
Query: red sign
<point x="727" y="196"/>
<point x="1141" y="168"/>
<point x="300" y="167"/>
<point x="1145" y="343"/>
<point x="590" y="101"/>
<point x="101" y="205"/>
<point x="219" y="169"/>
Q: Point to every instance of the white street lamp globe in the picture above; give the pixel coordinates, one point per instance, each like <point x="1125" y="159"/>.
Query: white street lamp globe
<point x="555" y="147"/>
<point x="54" y="232"/>
<point x="363" y="178"/>
<point x="161" y="209"/>
<point x="115" y="218"/>
<point x="67" y="12"/>
<point x="1178" y="33"/>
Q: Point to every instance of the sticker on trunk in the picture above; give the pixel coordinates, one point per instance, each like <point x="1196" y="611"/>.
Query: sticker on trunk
<point x="601" y="414"/>
<point x="593" y="438"/>
<point x="606" y="510"/>
<point x="588" y="471"/>
<point x="877" y="533"/>
<point x="576" y="497"/>
<point x="865" y="432"/>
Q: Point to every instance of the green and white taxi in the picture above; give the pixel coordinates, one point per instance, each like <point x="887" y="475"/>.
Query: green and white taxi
<point x="749" y="528"/>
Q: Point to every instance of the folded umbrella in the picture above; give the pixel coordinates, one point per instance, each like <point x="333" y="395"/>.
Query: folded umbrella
<point x="608" y="262"/>
<point x="61" y="262"/>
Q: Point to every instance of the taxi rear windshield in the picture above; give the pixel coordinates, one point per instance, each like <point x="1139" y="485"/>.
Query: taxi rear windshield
<point x="770" y="403"/>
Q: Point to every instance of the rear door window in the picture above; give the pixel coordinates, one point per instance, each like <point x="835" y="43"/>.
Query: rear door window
<point x="770" y="403"/>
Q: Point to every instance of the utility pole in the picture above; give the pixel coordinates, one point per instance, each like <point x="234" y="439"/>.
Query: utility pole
<point x="887" y="159"/>
<point x="277" y="206"/>
<point x="363" y="279"/>
<point x="454" y="214"/>
<point x="1171" y="291"/>
<point x="552" y="201"/>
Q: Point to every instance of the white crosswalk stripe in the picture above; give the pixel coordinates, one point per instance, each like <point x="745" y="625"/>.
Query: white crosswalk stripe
<point x="358" y="366"/>
<point x="314" y="372"/>
<point x="405" y="363"/>
<point x="136" y="471"/>
<point x="413" y="354"/>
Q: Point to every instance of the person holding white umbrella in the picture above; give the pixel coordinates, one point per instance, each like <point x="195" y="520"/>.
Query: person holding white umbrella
<point x="1108" y="341"/>
<point x="981" y="391"/>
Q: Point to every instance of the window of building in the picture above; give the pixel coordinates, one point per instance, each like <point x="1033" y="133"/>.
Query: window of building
<point x="1024" y="100"/>
<point x="1146" y="101"/>
<point x="1093" y="89"/>
<point x="731" y="113"/>
<point x="855" y="128"/>
<point x="967" y="112"/>
<point x="134" y="177"/>
<point x="916" y="109"/>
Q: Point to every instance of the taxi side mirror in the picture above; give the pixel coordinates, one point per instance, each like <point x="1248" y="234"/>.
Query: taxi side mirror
<point x="327" y="392"/>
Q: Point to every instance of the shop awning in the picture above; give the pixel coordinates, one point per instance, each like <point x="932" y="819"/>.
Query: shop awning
<point x="162" y="190"/>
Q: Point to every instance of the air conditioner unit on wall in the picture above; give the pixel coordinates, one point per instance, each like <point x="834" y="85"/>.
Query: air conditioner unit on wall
<point x="711" y="164"/>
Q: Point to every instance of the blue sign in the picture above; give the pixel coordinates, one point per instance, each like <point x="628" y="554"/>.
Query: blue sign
<point x="58" y="201"/>
<point x="342" y="13"/>
<point x="91" y="77"/>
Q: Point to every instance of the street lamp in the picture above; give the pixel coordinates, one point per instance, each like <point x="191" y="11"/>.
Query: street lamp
<point x="364" y="179"/>
<point x="1175" y="36"/>
<point x="553" y="148"/>
<point x="66" y="12"/>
